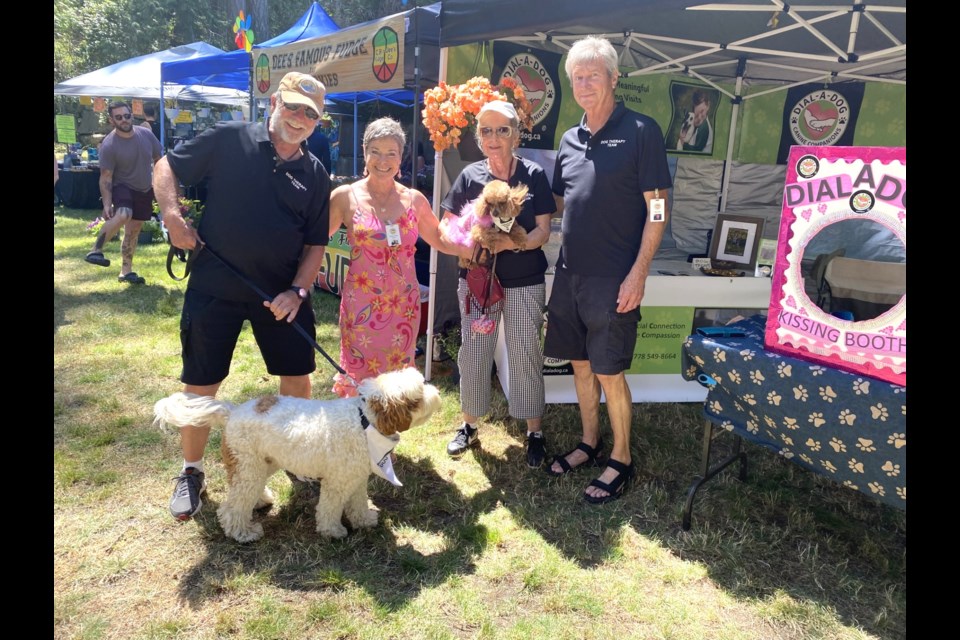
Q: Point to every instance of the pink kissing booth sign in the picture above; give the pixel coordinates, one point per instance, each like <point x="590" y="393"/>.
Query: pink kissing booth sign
<point x="828" y="186"/>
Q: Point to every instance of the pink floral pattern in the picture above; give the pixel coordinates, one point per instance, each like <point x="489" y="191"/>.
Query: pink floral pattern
<point x="380" y="301"/>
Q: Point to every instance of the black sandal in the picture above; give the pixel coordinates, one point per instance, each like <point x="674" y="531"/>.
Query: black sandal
<point x="592" y="454"/>
<point x="614" y="489"/>
<point x="96" y="257"/>
<point x="131" y="278"/>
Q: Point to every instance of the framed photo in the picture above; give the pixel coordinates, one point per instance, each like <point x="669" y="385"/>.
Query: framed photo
<point x="768" y="252"/>
<point x="735" y="241"/>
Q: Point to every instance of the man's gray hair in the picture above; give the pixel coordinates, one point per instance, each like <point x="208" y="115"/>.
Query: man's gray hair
<point x="385" y="128"/>
<point x="592" y="49"/>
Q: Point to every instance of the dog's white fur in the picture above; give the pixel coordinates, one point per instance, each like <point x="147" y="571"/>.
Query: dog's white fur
<point x="320" y="439"/>
<point x="687" y="131"/>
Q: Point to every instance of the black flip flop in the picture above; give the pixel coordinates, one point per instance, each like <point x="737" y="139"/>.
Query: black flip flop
<point x="131" y="278"/>
<point x="95" y="257"/>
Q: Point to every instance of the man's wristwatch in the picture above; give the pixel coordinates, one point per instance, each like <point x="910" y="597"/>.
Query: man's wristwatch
<point x="302" y="293"/>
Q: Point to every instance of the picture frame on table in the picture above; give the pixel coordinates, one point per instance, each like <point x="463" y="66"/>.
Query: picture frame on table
<point x="768" y="252"/>
<point x="735" y="241"/>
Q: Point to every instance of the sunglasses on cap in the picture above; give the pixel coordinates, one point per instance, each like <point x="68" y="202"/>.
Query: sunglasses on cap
<point x="312" y="114"/>
<point x="122" y="116"/>
<point x="501" y="132"/>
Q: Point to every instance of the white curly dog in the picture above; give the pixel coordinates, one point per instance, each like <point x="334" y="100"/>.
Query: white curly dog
<point x="321" y="439"/>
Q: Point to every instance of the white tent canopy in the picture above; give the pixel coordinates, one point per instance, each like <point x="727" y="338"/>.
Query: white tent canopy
<point x="140" y="78"/>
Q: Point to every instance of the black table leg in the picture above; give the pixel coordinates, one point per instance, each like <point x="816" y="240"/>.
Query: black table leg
<point x="706" y="473"/>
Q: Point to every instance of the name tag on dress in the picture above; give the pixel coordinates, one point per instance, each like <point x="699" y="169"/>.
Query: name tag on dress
<point x="393" y="235"/>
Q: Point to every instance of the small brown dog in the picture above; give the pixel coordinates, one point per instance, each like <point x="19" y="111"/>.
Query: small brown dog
<point x="484" y="220"/>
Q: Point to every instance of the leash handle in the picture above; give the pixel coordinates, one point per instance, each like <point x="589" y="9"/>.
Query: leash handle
<point x="187" y="256"/>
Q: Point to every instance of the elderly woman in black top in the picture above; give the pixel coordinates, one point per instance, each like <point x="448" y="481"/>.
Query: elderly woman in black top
<point x="520" y="271"/>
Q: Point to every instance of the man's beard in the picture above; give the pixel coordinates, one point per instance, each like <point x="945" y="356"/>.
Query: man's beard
<point x="284" y="133"/>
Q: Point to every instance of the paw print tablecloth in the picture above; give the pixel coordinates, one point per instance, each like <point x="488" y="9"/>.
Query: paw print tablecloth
<point x="848" y="427"/>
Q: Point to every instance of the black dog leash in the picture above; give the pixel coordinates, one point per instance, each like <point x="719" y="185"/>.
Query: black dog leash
<point x="188" y="257"/>
<point x="192" y="256"/>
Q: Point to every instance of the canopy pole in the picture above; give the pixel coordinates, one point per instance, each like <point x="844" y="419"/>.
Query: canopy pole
<point x="416" y="99"/>
<point x="356" y="122"/>
<point x="163" y="117"/>
<point x="437" y="186"/>
<point x="253" y="95"/>
<point x="728" y="164"/>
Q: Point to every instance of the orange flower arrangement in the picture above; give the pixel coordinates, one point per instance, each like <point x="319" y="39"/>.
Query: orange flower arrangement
<point x="448" y="110"/>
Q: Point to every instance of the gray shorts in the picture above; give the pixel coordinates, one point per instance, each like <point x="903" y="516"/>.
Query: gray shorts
<point x="583" y="323"/>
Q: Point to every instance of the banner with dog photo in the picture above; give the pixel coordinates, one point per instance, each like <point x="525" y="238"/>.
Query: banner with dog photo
<point x="693" y="122"/>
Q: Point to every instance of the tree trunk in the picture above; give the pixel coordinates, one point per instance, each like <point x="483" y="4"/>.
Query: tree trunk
<point x="260" y="11"/>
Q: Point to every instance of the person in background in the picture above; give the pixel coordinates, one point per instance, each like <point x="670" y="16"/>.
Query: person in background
<point x="380" y="300"/>
<point x="521" y="272"/>
<point x="150" y="120"/>
<point x="267" y="216"/>
<point x="127" y="157"/>
<point x="319" y="145"/>
<point x="609" y="169"/>
<point x="413" y="163"/>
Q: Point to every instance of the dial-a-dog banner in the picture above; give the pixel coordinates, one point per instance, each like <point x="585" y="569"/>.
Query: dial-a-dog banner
<point x="815" y="115"/>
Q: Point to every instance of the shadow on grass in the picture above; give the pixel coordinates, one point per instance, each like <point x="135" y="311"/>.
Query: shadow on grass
<point x="294" y="556"/>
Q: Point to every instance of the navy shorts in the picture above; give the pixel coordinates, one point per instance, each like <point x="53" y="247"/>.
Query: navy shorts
<point x="209" y="328"/>
<point x="583" y="323"/>
<point x="140" y="202"/>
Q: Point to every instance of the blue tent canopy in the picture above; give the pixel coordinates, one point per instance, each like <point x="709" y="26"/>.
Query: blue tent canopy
<point x="312" y="24"/>
<point x="230" y="70"/>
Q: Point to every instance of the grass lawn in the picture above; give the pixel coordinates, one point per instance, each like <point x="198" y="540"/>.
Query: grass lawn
<point x="482" y="547"/>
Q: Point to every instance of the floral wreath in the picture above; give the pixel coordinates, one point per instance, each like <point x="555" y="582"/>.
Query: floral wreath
<point x="450" y="109"/>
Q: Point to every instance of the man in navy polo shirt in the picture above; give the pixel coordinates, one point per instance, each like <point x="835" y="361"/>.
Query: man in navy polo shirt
<point x="267" y="216"/>
<point x="611" y="170"/>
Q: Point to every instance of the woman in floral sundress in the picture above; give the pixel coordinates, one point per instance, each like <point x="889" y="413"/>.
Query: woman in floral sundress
<point x="380" y="298"/>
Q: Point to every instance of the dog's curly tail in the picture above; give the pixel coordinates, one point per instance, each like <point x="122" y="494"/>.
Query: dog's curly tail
<point x="189" y="409"/>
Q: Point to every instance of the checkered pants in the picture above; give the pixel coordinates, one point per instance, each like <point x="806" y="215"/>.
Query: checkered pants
<point x="522" y="313"/>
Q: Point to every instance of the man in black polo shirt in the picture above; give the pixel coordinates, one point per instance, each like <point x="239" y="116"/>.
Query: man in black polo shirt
<point x="267" y="216"/>
<point x="611" y="171"/>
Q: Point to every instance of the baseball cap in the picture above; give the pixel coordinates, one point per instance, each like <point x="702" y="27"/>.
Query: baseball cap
<point x="502" y="107"/>
<point x="300" y="88"/>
